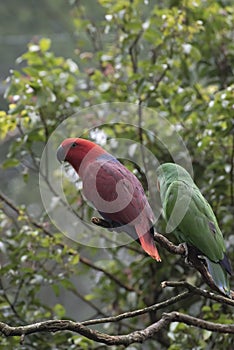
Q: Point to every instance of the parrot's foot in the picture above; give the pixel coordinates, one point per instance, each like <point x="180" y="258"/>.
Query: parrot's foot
<point x="186" y="251"/>
<point x="109" y="225"/>
<point x="100" y="222"/>
<point x="190" y="254"/>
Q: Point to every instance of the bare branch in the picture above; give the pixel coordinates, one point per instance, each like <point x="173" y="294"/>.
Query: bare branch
<point x="198" y="291"/>
<point x="88" y="302"/>
<point x="134" y="337"/>
<point x="168" y="245"/>
<point x="139" y="312"/>
<point x="132" y="51"/>
<point x="197" y="322"/>
<point x="192" y="290"/>
<point x="8" y="301"/>
<point x="9" y="203"/>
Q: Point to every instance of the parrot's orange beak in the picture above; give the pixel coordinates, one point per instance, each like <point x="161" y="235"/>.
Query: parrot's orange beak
<point x="61" y="154"/>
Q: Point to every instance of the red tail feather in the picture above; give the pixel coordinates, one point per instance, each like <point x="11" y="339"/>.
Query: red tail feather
<point x="148" y="243"/>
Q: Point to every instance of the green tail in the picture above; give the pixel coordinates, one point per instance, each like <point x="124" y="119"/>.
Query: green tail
<point x="219" y="276"/>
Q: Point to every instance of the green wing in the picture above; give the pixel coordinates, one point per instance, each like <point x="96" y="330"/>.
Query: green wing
<point x="193" y="219"/>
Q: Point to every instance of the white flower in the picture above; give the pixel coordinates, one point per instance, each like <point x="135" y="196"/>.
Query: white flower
<point x="187" y="48"/>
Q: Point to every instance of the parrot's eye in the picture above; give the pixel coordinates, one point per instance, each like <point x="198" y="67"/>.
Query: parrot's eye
<point x="74" y="144"/>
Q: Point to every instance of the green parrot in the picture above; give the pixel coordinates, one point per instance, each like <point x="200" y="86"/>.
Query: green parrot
<point x="190" y="217"/>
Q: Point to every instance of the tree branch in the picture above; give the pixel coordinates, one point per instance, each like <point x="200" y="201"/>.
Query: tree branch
<point x="198" y="291"/>
<point x="168" y="245"/>
<point x="132" y="51"/>
<point x="139" y="312"/>
<point x="191" y="290"/>
<point x="133" y="337"/>
<point x="89" y="263"/>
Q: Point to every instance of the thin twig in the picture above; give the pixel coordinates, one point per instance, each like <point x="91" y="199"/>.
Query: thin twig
<point x="132" y="50"/>
<point x="11" y="305"/>
<point x="108" y="274"/>
<point x="205" y="293"/>
<point x="135" y="313"/>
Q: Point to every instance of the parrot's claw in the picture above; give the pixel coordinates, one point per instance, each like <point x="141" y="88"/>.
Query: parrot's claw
<point x="186" y="253"/>
<point x="185" y="247"/>
<point x="192" y="255"/>
<point x="100" y="222"/>
<point x="109" y="225"/>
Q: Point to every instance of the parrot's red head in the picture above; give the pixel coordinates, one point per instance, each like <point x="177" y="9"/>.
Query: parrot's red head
<point x="74" y="150"/>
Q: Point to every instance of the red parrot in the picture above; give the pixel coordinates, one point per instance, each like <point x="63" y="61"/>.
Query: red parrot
<point x="114" y="190"/>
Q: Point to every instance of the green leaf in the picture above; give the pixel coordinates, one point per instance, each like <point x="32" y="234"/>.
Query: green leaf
<point x="89" y="297"/>
<point x="206" y="308"/>
<point x="10" y="163"/>
<point x="56" y="289"/>
<point x="75" y="259"/>
<point x="45" y="44"/>
<point x="59" y="310"/>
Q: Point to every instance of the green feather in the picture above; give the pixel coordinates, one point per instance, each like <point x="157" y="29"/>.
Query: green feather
<point x="219" y="276"/>
<point x="191" y="218"/>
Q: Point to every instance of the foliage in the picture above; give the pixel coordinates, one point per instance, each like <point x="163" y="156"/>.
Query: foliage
<point x="176" y="58"/>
